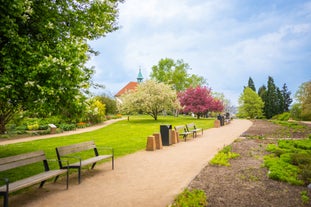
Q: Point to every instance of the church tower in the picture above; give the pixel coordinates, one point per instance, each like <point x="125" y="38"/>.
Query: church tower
<point x="140" y="77"/>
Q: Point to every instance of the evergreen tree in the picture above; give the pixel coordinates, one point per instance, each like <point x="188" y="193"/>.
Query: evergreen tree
<point x="262" y="92"/>
<point x="287" y="100"/>
<point x="251" y="84"/>
<point x="280" y="102"/>
<point x="271" y="99"/>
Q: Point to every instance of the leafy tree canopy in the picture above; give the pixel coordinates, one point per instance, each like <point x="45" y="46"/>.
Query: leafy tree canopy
<point x="250" y="104"/>
<point x="175" y="73"/>
<point x="43" y="47"/>
<point x="151" y="98"/>
<point x="199" y="101"/>
<point x="303" y="95"/>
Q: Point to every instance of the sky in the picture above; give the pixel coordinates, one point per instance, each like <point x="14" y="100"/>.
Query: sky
<point x="225" y="41"/>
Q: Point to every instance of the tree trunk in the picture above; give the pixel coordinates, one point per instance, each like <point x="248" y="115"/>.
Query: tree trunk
<point x="2" y="125"/>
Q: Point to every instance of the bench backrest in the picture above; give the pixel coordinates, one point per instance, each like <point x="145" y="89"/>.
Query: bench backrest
<point x="79" y="147"/>
<point x="11" y="162"/>
<point x="191" y="125"/>
<point x="74" y="148"/>
<point x="179" y="128"/>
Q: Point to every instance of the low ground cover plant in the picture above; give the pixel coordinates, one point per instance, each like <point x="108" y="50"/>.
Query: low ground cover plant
<point x="191" y="198"/>
<point x="290" y="161"/>
<point x="223" y="156"/>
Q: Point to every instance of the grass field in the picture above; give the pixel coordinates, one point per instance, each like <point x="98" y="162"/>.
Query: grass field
<point x="124" y="136"/>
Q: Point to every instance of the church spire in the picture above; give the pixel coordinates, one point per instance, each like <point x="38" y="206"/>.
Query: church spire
<point x="140" y="77"/>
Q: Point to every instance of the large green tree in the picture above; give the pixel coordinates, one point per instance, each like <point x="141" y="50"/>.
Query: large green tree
<point x="303" y="95"/>
<point x="175" y="73"/>
<point x="250" y="104"/>
<point x="151" y="98"/>
<point x="43" y="51"/>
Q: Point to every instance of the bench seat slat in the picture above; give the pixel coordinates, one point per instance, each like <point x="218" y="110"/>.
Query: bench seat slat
<point x="20" y="184"/>
<point x="91" y="160"/>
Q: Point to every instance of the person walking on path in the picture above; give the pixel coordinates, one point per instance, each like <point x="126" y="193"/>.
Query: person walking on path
<point x="144" y="178"/>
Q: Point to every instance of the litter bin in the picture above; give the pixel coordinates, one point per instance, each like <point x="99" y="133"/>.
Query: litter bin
<point x="221" y="119"/>
<point x="165" y="134"/>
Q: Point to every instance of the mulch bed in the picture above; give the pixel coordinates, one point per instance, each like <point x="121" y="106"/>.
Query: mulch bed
<point x="245" y="182"/>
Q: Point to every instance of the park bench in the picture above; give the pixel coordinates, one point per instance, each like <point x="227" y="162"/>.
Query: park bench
<point x="182" y="131"/>
<point x="82" y="154"/>
<point x="192" y="128"/>
<point x="12" y="162"/>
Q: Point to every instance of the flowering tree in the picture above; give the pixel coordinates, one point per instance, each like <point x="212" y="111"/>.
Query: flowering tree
<point x="199" y="101"/>
<point x="150" y="97"/>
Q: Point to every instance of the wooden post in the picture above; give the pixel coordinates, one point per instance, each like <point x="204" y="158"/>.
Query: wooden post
<point x="158" y="140"/>
<point x="216" y="123"/>
<point x="173" y="137"/>
<point x="151" y="145"/>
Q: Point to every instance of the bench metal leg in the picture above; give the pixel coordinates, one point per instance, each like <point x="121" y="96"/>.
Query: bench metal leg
<point x="112" y="162"/>
<point x="79" y="175"/>
<point x="5" y="199"/>
<point x="42" y="183"/>
<point x="55" y="179"/>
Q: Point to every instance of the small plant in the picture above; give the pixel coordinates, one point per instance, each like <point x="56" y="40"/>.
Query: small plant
<point x="223" y="156"/>
<point x="304" y="197"/>
<point x="193" y="198"/>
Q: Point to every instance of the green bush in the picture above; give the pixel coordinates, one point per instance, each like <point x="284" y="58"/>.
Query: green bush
<point x="193" y="198"/>
<point x="282" y="117"/>
<point x="67" y="127"/>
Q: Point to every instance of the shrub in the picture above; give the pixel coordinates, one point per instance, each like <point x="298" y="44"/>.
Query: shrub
<point x="67" y="127"/>
<point x="282" y="117"/>
<point x="193" y="198"/>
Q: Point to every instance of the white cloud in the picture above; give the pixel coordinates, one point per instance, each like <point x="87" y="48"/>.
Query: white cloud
<point x="223" y="40"/>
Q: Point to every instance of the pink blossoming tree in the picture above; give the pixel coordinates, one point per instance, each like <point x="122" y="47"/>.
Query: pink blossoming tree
<point x="199" y="101"/>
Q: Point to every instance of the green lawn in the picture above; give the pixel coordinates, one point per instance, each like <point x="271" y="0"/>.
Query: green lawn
<point x="124" y="136"/>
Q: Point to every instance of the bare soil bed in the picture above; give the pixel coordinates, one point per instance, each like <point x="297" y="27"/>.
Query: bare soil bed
<point x="245" y="182"/>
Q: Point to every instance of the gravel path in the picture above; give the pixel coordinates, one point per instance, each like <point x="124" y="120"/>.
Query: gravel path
<point x="141" y="179"/>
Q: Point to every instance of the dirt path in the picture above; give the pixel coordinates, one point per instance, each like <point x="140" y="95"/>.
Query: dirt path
<point x="139" y="179"/>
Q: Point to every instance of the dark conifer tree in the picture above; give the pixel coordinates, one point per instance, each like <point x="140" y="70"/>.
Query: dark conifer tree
<point x="271" y="99"/>
<point x="287" y="100"/>
<point x="251" y="84"/>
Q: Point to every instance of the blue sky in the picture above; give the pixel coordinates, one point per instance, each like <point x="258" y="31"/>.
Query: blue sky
<point x="225" y="41"/>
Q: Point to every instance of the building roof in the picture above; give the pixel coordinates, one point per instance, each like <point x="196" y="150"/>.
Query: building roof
<point x="130" y="86"/>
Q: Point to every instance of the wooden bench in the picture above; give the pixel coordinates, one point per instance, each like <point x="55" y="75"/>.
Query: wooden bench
<point x="8" y="163"/>
<point x="192" y="128"/>
<point x="182" y="130"/>
<point x="75" y="152"/>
